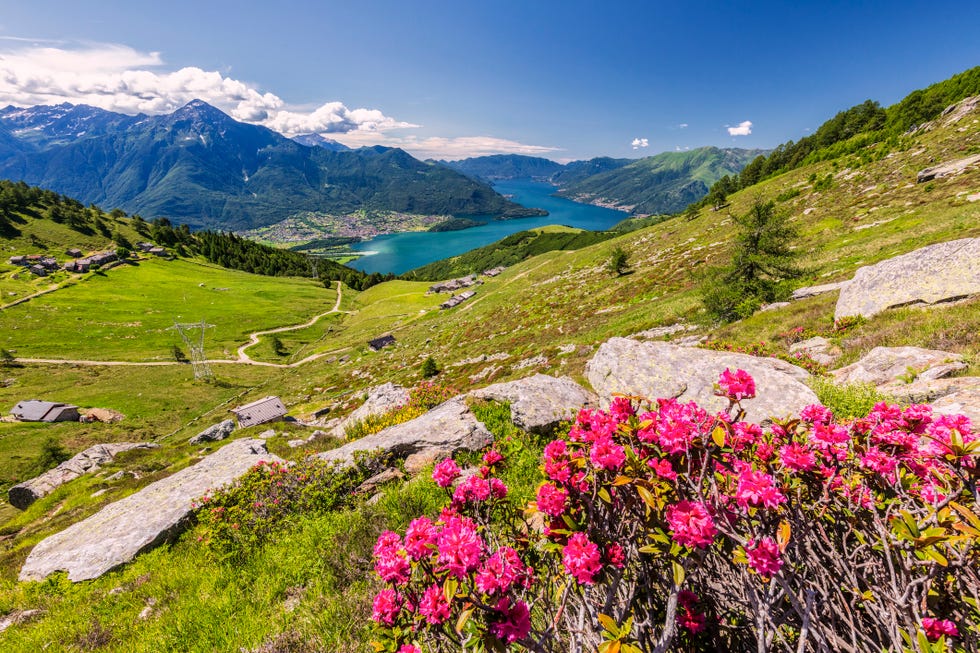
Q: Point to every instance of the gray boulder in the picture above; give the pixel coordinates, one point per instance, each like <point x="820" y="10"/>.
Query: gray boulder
<point x="924" y="391"/>
<point x="818" y="348"/>
<point x="448" y="427"/>
<point x="884" y="365"/>
<point x="540" y="402"/>
<point x="380" y="400"/>
<point x="214" y="433"/>
<point x="90" y="460"/>
<point x="659" y="369"/>
<point x="947" y="169"/>
<point x="813" y="291"/>
<point x="120" y="531"/>
<point x="932" y="274"/>
<point x="965" y="402"/>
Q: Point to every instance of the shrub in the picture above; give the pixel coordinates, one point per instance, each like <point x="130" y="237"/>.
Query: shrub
<point x="238" y="519"/>
<point x="801" y="358"/>
<point x="849" y="400"/>
<point x="429" y="368"/>
<point x="672" y="529"/>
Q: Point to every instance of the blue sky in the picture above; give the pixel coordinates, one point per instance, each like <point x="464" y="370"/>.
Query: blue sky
<point x="565" y="80"/>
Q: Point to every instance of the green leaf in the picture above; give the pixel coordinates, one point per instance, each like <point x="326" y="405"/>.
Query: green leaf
<point x="678" y="571"/>
<point x="647" y="497"/>
<point x="449" y="588"/>
<point x="718" y="436"/>
<point x="464" y="616"/>
<point x="609" y="624"/>
<point x="604" y="495"/>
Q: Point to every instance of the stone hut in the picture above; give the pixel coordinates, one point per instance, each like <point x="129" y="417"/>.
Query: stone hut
<point x="35" y="410"/>
<point x="267" y="409"/>
<point x="380" y="343"/>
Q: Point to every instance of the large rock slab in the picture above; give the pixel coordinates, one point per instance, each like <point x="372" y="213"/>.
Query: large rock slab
<point x="120" y="531"/>
<point x="659" y="369"/>
<point x="539" y="403"/>
<point x="448" y="427"/>
<point x="936" y="273"/>
<point x="965" y="402"/>
<point x="924" y="391"/>
<point x="818" y="348"/>
<point x="813" y="291"/>
<point x="380" y="400"/>
<point x="24" y="494"/>
<point x="947" y="169"/>
<point x="214" y="433"/>
<point x="884" y="365"/>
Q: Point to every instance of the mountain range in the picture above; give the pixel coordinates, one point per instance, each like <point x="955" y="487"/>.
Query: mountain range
<point x="200" y="167"/>
<point x="664" y="183"/>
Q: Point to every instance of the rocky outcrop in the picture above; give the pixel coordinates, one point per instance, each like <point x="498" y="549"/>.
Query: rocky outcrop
<point x="447" y="428"/>
<point x="658" y="369"/>
<point x="90" y="460"/>
<point x="883" y="365"/>
<point x="214" y="433"/>
<point x="947" y="169"/>
<point x="963" y="402"/>
<point x="380" y="399"/>
<point x="117" y="533"/>
<point x="813" y="291"/>
<point x="932" y="274"/>
<point x="818" y="348"/>
<point x="925" y="391"/>
<point x="539" y="403"/>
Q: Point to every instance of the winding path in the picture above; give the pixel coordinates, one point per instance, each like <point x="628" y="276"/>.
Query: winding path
<point x="243" y="358"/>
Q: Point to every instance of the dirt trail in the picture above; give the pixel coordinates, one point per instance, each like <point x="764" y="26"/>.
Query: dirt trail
<point x="243" y="358"/>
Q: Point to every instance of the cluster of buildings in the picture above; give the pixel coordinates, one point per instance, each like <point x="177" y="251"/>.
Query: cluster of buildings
<point x="456" y="300"/>
<point x="42" y="265"/>
<point x="85" y="264"/>
<point x="454" y="284"/>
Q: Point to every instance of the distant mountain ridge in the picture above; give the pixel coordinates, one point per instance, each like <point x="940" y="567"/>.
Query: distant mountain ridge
<point x="664" y="183"/>
<point x="199" y="166"/>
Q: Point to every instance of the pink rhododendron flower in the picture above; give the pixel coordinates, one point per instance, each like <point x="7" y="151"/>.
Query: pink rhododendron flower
<point x="877" y="460"/>
<point x="763" y="556"/>
<point x="621" y="409"/>
<point x="514" y="621"/>
<point x="393" y="567"/>
<point x="687" y="617"/>
<point x="606" y="454"/>
<point x="816" y="414"/>
<point x="408" y="648"/>
<point x="500" y="571"/>
<point x="756" y="488"/>
<point x="498" y="489"/>
<point x="551" y="500"/>
<point x="472" y="489"/>
<point x="388" y="542"/>
<point x="445" y="472"/>
<point x="581" y="558"/>
<point x="387" y="605"/>
<point x="936" y="628"/>
<point x="420" y="538"/>
<point x="492" y="457"/>
<point x="434" y="606"/>
<point x="556" y="461"/>
<point x="745" y="434"/>
<point x="663" y="469"/>
<point x="460" y="547"/>
<point x="736" y="385"/>
<point x="797" y="457"/>
<point x="615" y="555"/>
<point x="691" y="524"/>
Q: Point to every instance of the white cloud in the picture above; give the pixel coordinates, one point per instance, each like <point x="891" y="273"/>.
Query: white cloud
<point x="640" y="142"/>
<point x="683" y="125"/>
<point x="438" y="147"/>
<point x="120" y="78"/>
<point x="744" y="128"/>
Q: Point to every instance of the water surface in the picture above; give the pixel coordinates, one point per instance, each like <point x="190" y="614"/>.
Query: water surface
<point x="402" y="252"/>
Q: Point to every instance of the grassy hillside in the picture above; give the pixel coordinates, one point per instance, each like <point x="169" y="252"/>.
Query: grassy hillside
<point x="508" y="251"/>
<point x="665" y="183"/>
<point x="311" y="586"/>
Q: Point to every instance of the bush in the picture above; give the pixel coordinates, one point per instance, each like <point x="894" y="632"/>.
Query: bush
<point x="850" y="400"/>
<point x="236" y="520"/>
<point x="672" y="529"/>
<point x="429" y="368"/>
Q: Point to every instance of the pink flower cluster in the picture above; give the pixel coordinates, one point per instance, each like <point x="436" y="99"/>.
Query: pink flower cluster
<point x="936" y="628"/>
<point x="736" y="385"/>
<point x="418" y="567"/>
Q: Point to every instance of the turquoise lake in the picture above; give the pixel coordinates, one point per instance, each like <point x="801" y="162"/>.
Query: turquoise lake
<point x="400" y="253"/>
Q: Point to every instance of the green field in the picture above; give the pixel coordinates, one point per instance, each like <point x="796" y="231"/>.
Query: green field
<point x="127" y="313"/>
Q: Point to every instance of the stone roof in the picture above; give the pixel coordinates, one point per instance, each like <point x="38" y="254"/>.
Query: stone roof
<point x="382" y="342"/>
<point x="267" y="409"/>
<point x="35" y="410"/>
